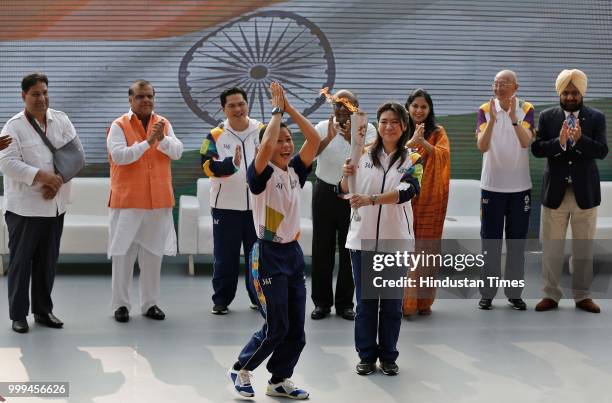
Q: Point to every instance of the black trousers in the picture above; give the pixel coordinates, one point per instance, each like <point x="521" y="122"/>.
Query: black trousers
<point x="34" y="248"/>
<point x="330" y="222"/>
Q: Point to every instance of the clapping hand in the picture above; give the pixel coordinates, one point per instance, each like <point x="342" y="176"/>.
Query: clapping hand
<point x="157" y="134"/>
<point x="576" y="132"/>
<point x="278" y="96"/>
<point x="237" y="155"/>
<point x="512" y="111"/>
<point x="418" y="137"/>
<point x="492" y="110"/>
<point x="564" y="134"/>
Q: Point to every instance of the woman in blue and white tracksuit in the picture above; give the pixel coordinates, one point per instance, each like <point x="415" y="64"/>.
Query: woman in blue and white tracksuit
<point x="275" y="179"/>
<point x="387" y="177"/>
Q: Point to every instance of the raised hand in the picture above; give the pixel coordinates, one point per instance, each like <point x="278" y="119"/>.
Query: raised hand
<point x="576" y="132"/>
<point x="331" y="128"/>
<point x="157" y="134"/>
<point x="492" y="110"/>
<point x="564" y="134"/>
<point x="512" y="111"/>
<point x="346" y="130"/>
<point x="418" y="137"/>
<point x="278" y="95"/>
<point x="5" y="141"/>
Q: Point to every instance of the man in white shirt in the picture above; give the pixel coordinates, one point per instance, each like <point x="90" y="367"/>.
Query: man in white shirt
<point x="504" y="131"/>
<point x="35" y="200"/>
<point x="141" y="145"/>
<point x="331" y="214"/>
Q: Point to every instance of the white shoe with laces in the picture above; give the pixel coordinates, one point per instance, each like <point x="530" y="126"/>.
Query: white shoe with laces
<point x="242" y="382"/>
<point x="286" y="389"/>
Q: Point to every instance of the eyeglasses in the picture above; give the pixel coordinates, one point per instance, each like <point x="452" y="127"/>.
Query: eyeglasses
<point x="499" y="84"/>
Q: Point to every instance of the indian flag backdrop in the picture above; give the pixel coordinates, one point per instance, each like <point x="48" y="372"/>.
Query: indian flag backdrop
<point x="190" y="50"/>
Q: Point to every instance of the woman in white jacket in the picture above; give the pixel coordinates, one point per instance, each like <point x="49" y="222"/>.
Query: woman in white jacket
<point x="387" y="176"/>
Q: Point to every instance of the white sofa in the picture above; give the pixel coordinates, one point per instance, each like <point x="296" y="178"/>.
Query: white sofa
<point x="463" y="211"/>
<point x="603" y="232"/>
<point x="86" y="221"/>
<point x="195" y="222"/>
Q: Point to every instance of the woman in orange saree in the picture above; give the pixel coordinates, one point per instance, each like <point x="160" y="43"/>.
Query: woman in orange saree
<point x="429" y="207"/>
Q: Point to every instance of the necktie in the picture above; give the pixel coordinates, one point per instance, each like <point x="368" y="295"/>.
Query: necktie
<point x="571" y="122"/>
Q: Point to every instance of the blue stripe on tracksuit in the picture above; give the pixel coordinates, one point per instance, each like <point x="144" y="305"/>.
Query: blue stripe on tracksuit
<point x="376" y="319"/>
<point x="277" y="272"/>
<point x="231" y="228"/>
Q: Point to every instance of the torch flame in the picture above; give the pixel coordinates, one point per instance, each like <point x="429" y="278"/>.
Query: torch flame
<point x="344" y="101"/>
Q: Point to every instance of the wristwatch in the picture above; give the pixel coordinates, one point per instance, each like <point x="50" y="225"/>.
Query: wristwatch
<point x="277" y="109"/>
<point x="373" y="199"/>
<point x="516" y="123"/>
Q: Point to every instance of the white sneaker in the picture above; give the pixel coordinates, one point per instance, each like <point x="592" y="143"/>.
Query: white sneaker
<point x="242" y="382"/>
<point x="286" y="389"/>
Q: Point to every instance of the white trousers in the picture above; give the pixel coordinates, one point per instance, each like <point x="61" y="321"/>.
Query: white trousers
<point x="123" y="273"/>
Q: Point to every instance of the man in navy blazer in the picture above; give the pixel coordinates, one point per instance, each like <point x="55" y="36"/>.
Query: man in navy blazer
<point x="571" y="136"/>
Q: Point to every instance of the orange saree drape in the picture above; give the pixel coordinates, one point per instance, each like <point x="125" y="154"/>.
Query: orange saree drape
<point x="429" y="210"/>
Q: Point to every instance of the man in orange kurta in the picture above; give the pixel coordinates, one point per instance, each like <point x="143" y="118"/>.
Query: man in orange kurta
<point x="141" y="145"/>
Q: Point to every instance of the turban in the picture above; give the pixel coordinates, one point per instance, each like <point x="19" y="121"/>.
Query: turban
<point x="575" y="76"/>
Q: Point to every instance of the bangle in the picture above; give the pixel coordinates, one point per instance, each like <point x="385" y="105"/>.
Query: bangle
<point x="373" y="199"/>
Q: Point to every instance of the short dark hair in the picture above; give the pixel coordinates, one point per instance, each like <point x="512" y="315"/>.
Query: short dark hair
<point x="31" y="79"/>
<point x="263" y="130"/>
<point x="232" y="91"/>
<point x="140" y="83"/>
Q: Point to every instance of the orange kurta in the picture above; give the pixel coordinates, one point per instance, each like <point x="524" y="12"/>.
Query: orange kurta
<point x="429" y="210"/>
<point x="147" y="182"/>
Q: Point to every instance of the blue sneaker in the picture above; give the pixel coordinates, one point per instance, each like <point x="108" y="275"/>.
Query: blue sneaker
<point x="241" y="380"/>
<point x="286" y="389"/>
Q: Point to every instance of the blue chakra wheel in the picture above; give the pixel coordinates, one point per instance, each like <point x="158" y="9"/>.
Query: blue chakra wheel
<point x="251" y="52"/>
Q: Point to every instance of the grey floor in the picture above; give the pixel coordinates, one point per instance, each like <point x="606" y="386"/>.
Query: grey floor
<point x="459" y="354"/>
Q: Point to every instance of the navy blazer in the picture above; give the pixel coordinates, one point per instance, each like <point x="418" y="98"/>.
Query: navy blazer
<point x="576" y="162"/>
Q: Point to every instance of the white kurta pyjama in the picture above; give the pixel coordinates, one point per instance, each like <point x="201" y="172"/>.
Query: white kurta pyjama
<point x="140" y="234"/>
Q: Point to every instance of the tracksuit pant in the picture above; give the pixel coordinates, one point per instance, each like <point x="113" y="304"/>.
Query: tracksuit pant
<point x="34" y="248"/>
<point x="277" y="272"/>
<point x="231" y="229"/>
<point x="499" y="211"/>
<point x="330" y="222"/>
<point x="375" y="319"/>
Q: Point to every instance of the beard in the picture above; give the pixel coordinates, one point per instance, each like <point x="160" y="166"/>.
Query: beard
<point x="571" y="106"/>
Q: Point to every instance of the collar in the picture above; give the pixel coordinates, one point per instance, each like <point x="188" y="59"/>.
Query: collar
<point x="253" y="125"/>
<point x="498" y="107"/>
<point x="48" y="115"/>
<point x="131" y="113"/>
<point x="384" y="154"/>
<point x="577" y="113"/>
